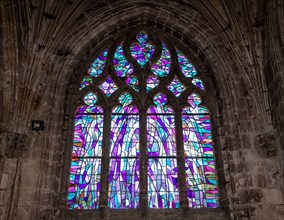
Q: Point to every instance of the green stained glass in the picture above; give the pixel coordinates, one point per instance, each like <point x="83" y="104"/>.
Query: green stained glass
<point x="85" y="82"/>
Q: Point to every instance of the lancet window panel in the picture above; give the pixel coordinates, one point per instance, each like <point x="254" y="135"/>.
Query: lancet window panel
<point x="136" y="96"/>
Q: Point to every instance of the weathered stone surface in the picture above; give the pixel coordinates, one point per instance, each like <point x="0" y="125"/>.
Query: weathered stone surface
<point x="266" y="144"/>
<point x="15" y="145"/>
<point x="237" y="46"/>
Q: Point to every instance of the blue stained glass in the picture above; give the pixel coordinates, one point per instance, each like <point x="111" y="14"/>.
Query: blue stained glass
<point x="89" y="109"/>
<point x="163" y="66"/>
<point x="198" y="82"/>
<point x="201" y="183"/>
<point x="160" y="106"/>
<point x="125" y="107"/>
<point x="186" y="67"/>
<point x="163" y="183"/>
<point x="133" y="83"/>
<point x="88" y="135"/>
<point x="121" y="65"/>
<point x="123" y="177"/>
<point x="125" y="99"/>
<point x="123" y="183"/>
<point x="124" y="171"/>
<point x="84" y="183"/>
<point x="161" y="135"/>
<point x="142" y="51"/>
<point x="194" y="100"/>
<point x="90" y="99"/>
<point x="98" y="65"/>
<point x="152" y="82"/>
<point x="176" y="87"/>
<point x="125" y="135"/>
<point x="197" y="136"/>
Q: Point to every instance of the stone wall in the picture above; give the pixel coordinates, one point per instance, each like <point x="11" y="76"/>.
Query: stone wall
<point x="47" y="45"/>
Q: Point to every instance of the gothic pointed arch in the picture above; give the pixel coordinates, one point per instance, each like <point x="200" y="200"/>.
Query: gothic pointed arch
<point x="142" y="132"/>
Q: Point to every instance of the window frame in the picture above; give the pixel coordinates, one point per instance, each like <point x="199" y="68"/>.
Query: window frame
<point x="205" y="99"/>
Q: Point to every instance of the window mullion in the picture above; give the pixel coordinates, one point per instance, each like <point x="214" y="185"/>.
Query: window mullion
<point x="181" y="161"/>
<point x="105" y="162"/>
<point x="143" y="161"/>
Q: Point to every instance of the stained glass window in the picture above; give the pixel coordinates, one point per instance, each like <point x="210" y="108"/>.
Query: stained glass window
<point x="124" y="153"/>
<point x="129" y="113"/>
<point x="162" y="163"/>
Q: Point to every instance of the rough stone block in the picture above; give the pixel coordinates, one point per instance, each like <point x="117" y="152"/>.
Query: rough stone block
<point x="273" y="196"/>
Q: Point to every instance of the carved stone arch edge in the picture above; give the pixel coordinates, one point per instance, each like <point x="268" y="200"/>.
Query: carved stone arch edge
<point x="211" y="101"/>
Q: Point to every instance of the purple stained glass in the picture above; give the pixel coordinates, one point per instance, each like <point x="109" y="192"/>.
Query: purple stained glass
<point x="142" y="51"/>
<point x="121" y="65"/>
<point x="124" y="153"/>
<point x="176" y="87"/>
<point x="194" y="101"/>
<point x="88" y="135"/>
<point x="186" y="67"/>
<point x="84" y="183"/>
<point x="125" y="106"/>
<point x="163" y="66"/>
<point x="161" y="137"/>
<point x="123" y="183"/>
<point x="160" y="106"/>
<point x="85" y="82"/>
<point x="98" y="65"/>
<point x="124" y="135"/>
<point x="201" y="183"/>
<point x="108" y="87"/>
<point x="161" y="142"/>
<point x="198" y="82"/>
<point x="89" y="109"/>
<point x="163" y="183"/>
<point x="152" y="82"/>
